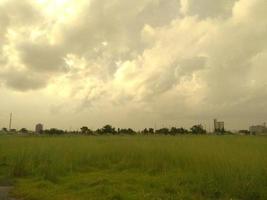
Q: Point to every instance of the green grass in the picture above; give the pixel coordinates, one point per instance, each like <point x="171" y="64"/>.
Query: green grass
<point x="149" y="168"/>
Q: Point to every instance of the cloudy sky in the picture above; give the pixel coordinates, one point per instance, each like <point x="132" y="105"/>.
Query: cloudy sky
<point x="68" y="63"/>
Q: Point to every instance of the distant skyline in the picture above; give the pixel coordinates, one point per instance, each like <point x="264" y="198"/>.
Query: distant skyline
<point x="207" y="125"/>
<point x="69" y="63"/>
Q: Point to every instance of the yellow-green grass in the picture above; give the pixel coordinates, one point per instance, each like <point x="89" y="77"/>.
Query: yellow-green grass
<point x="152" y="167"/>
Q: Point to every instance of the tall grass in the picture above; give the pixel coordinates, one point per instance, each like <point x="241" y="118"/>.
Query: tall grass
<point x="204" y="167"/>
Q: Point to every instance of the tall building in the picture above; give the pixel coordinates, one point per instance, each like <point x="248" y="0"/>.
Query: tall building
<point x="258" y="129"/>
<point x="39" y="128"/>
<point x="218" y="126"/>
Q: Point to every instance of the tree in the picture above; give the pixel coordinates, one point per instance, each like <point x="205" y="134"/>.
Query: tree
<point x="145" y="131"/>
<point x="54" y="131"/>
<point x="198" y="129"/>
<point x="151" y="131"/>
<point x="85" y="130"/>
<point x="13" y="130"/>
<point x="174" y="131"/>
<point x="244" y="132"/>
<point x="107" y="129"/>
<point x="128" y="131"/>
<point x="4" y="130"/>
<point x="23" y="130"/>
<point x="162" y="131"/>
<point x="182" y="131"/>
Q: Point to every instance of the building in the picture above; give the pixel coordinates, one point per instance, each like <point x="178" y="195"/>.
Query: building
<point x="218" y="126"/>
<point x="39" y="128"/>
<point x="258" y="129"/>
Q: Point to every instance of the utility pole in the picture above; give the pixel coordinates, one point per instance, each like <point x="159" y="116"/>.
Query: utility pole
<point x="10" y="122"/>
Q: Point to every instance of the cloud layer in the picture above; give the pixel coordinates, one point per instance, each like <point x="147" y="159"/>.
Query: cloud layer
<point x="171" y="61"/>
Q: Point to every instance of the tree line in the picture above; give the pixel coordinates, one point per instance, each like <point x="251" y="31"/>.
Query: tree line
<point x="110" y="130"/>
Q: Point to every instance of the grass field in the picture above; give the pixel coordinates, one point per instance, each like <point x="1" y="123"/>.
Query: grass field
<point x="149" y="168"/>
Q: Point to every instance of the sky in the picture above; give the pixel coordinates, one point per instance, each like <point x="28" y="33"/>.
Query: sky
<point x="142" y="63"/>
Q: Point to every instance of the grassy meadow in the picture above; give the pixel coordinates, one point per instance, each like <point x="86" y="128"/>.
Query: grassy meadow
<point x="130" y="168"/>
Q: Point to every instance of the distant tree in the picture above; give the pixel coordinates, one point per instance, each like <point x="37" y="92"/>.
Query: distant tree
<point x="13" y="130"/>
<point x="163" y="131"/>
<point x="4" y="130"/>
<point x="145" y="131"/>
<point x="173" y="131"/>
<point x="229" y="132"/>
<point x="198" y="129"/>
<point x="54" y="131"/>
<point x="128" y="131"/>
<point x="107" y="129"/>
<point x="151" y="131"/>
<point x="131" y="131"/>
<point x="23" y="130"/>
<point x="177" y="131"/>
<point x="85" y="130"/>
<point x="182" y="131"/>
<point x="244" y="132"/>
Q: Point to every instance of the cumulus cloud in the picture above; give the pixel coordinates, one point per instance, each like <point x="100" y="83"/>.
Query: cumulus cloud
<point x="42" y="57"/>
<point x="23" y="81"/>
<point x="168" y="59"/>
<point x="207" y="8"/>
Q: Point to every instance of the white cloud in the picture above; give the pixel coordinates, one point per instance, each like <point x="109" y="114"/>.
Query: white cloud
<point x="208" y="8"/>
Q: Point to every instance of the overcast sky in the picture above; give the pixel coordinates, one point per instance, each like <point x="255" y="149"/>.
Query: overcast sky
<point x="141" y="63"/>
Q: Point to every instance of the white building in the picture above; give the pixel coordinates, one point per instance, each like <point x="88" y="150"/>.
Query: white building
<point x="258" y="129"/>
<point x="39" y="128"/>
<point x="218" y="126"/>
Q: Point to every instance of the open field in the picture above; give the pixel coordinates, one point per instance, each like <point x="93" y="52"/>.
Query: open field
<point x="149" y="168"/>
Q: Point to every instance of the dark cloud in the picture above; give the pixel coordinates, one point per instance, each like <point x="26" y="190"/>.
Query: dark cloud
<point x="189" y="65"/>
<point x="20" y="13"/>
<point x="119" y="23"/>
<point x="24" y="80"/>
<point x="210" y="8"/>
<point x="4" y="21"/>
<point x="42" y="58"/>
